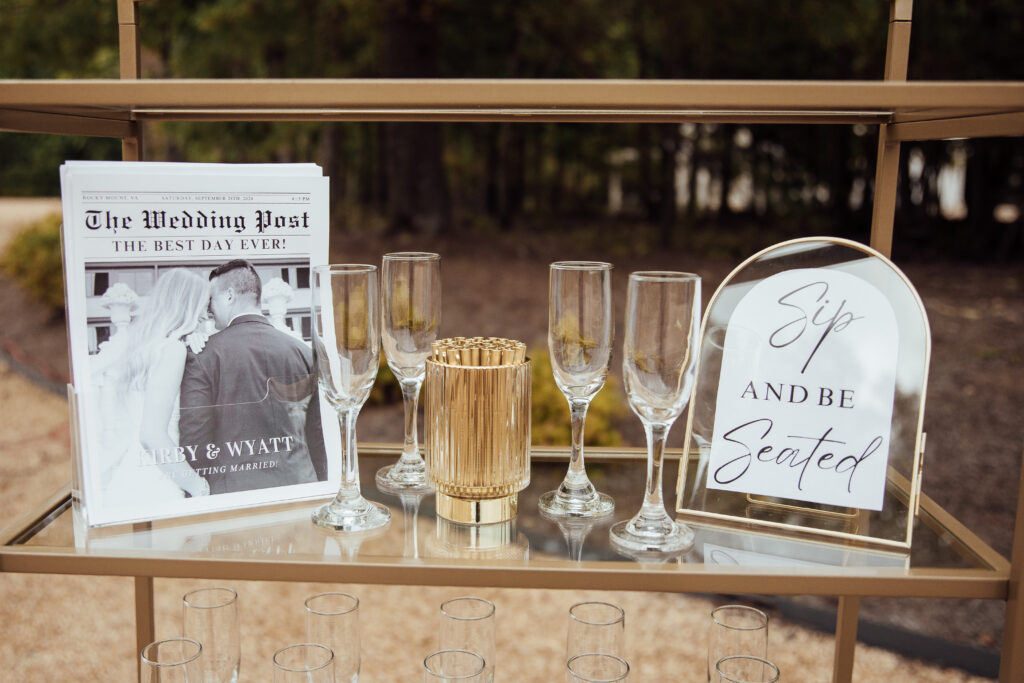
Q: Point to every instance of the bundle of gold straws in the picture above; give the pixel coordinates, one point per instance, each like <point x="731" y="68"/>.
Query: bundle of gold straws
<point x="478" y="351"/>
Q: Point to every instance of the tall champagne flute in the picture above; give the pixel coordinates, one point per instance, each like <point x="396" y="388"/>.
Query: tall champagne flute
<point x="346" y="344"/>
<point x="410" y="317"/>
<point x="304" y="663"/>
<point x="210" y="616"/>
<point x="596" y="627"/>
<point x="593" y="667"/>
<point x="467" y="623"/>
<point x="736" y="630"/>
<point x="658" y="364"/>
<point x="580" y="328"/>
<point x="332" y="620"/>
<point x="745" y="669"/>
<point x="175" y="660"/>
<point x="454" y="665"/>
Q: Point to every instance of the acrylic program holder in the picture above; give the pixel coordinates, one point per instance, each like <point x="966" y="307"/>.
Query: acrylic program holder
<point x="809" y="399"/>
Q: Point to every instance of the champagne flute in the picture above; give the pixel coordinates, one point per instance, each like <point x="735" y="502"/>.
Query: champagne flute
<point x="210" y="616"/>
<point x="332" y="620"/>
<point x="580" y="328"/>
<point x="596" y="627"/>
<point x="453" y="665"/>
<point x="411" y="316"/>
<point x="736" y="630"/>
<point x="304" y="663"/>
<point x="745" y="669"/>
<point x="658" y="365"/>
<point x="468" y="624"/>
<point x="174" y="660"/>
<point x="346" y="344"/>
<point x="593" y="667"/>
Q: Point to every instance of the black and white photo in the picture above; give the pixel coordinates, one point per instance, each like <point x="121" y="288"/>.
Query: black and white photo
<point x="190" y="338"/>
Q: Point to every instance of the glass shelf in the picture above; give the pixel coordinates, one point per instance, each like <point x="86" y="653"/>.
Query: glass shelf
<point x="280" y="543"/>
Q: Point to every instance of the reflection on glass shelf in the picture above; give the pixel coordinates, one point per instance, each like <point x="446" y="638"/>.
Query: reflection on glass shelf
<point x="417" y="536"/>
<point x="575" y="530"/>
<point x="720" y="546"/>
<point x="501" y="541"/>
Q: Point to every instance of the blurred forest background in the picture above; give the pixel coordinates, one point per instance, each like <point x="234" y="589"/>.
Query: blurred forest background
<point x="707" y="187"/>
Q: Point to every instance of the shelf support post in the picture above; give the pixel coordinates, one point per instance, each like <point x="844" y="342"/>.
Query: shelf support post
<point x="887" y="167"/>
<point x="1011" y="659"/>
<point x="131" y="69"/>
<point x="846" y="639"/>
<point x="145" y="622"/>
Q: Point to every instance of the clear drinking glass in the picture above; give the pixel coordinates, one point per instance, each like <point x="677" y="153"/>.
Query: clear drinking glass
<point x="468" y="624"/>
<point x="658" y="362"/>
<point x="592" y="667"/>
<point x="304" y="663"/>
<point x="410" y="318"/>
<point x="736" y="630"/>
<point x="580" y="330"/>
<point x="175" y="660"/>
<point x="596" y="628"/>
<point x="332" y="620"/>
<point x="346" y="345"/>
<point x="745" y="669"/>
<point x="453" y="665"/>
<point x="210" y="616"/>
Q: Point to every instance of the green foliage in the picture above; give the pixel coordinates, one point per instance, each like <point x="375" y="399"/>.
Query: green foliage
<point x="70" y="39"/>
<point x="386" y="389"/>
<point x="550" y="410"/>
<point x="29" y="163"/>
<point x="33" y="259"/>
<point x="543" y="175"/>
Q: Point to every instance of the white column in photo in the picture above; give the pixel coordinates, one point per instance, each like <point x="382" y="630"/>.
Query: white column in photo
<point x="121" y="300"/>
<point x="277" y="294"/>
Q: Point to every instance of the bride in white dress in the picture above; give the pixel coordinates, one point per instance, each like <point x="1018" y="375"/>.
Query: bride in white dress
<point x="138" y="378"/>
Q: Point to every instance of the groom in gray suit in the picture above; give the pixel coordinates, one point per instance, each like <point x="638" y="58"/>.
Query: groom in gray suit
<point x="249" y="399"/>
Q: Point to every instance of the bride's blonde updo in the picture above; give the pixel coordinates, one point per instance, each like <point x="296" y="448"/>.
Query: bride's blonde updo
<point x="173" y="309"/>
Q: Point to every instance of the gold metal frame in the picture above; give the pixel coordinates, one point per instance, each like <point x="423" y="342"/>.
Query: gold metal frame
<point x="912" y="489"/>
<point x="986" y="574"/>
<point x="986" y="579"/>
<point x="903" y="111"/>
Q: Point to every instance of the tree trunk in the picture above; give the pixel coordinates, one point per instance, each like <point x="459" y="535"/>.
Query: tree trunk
<point x="330" y="160"/>
<point x="643" y="149"/>
<point x="667" y="215"/>
<point x="417" y="190"/>
<point x="727" y="134"/>
<point x="513" y="150"/>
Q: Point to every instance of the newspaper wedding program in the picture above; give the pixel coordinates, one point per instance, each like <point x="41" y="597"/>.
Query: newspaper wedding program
<point x="188" y="305"/>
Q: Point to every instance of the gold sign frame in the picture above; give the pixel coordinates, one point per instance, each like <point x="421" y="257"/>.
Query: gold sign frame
<point x="890" y="528"/>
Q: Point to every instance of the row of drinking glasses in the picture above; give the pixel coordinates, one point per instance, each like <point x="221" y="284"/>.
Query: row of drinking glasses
<point x="351" y="320"/>
<point x="594" y="651"/>
<point x="737" y="645"/>
<point x="210" y="648"/>
<point x="210" y="652"/>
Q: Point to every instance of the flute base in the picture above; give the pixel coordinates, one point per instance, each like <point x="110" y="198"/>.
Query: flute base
<point x="558" y="504"/>
<point x="467" y="511"/>
<point x="352" y="515"/>
<point x="651" y="536"/>
<point x="403" y="478"/>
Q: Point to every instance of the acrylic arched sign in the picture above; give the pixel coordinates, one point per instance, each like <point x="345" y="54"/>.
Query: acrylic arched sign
<point x="808" y="403"/>
<point x="805" y="396"/>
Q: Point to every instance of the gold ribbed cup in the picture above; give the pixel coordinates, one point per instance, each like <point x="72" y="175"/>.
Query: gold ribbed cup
<point x="477" y="428"/>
